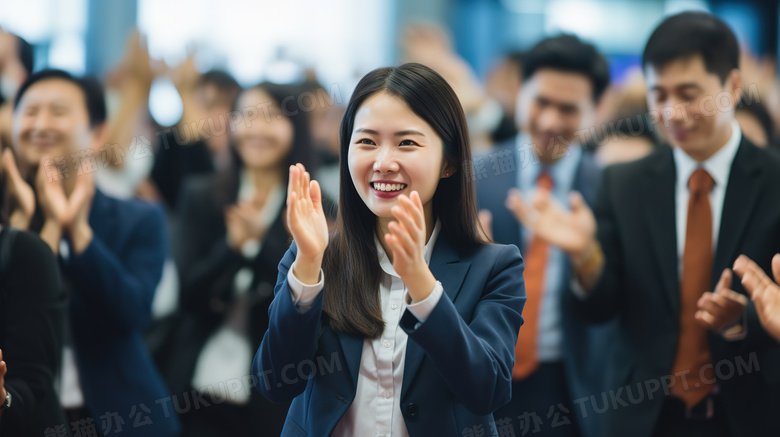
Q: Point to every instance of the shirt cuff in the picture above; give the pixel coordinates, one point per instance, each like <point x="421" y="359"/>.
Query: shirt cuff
<point x="422" y="309"/>
<point x="304" y="295"/>
<point x="737" y="330"/>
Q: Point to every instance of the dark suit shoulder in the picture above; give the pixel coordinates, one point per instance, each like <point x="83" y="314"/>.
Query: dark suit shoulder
<point x="633" y="170"/>
<point x="31" y="257"/>
<point x="499" y="254"/>
<point x="27" y="251"/>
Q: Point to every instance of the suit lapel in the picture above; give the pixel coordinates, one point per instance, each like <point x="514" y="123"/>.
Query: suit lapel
<point x="659" y="192"/>
<point x="447" y="269"/>
<point x="352" y="347"/>
<point x="742" y="192"/>
<point x="102" y="216"/>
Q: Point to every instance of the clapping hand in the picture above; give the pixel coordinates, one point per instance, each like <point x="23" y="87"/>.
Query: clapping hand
<point x="307" y="222"/>
<point x="21" y="192"/>
<point x="572" y="231"/>
<point x="718" y="309"/>
<point x="406" y="240"/>
<point x="764" y="292"/>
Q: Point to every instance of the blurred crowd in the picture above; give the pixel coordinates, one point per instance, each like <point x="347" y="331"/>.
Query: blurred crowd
<point x="138" y="261"/>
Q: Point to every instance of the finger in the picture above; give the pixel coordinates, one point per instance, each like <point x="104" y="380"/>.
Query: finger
<point x="301" y="172"/>
<point x="751" y="283"/>
<point x="706" y="296"/>
<point x="415" y="208"/>
<point x="404" y="217"/>
<point x="291" y="182"/>
<point x="776" y="267"/>
<point x="405" y="241"/>
<point x="705" y="319"/>
<point x="516" y="204"/>
<point x="730" y="298"/>
<point x="576" y="202"/>
<point x="306" y="182"/>
<point x="417" y="200"/>
<point x="394" y="245"/>
<point x="744" y="264"/>
<point x="9" y="164"/>
<point x="316" y="195"/>
<point x="540" y="200"/>
<point x="417" y="220"/>
<point x="740" y="265"/>
<point x="293" y="214"/>
<point x="725" y="280"/>
<point x="718" y="305"/>
<point x="758" y="279"/>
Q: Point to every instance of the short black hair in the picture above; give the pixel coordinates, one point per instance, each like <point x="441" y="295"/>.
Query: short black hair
<point x="568" y="53"/>
<point x="222" y="81"/>
<point x="94" y="99"/>
<point x="693" y="33"/>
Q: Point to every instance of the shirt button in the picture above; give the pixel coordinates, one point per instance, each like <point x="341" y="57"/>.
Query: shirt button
<point x="388" y="344"/>
<point x="394" y="306"/>
<point x="386" y="395"/>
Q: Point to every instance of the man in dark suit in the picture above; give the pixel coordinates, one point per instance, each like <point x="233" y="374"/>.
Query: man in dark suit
<point x="111" y="252"/>
<point x="564" y="80"/>
<point x="691" y="362"/>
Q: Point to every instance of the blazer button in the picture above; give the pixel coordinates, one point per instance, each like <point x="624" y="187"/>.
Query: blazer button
<point x="411" y="409"/>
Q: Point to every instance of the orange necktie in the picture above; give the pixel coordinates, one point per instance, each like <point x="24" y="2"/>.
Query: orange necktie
<point x="526" y="360"/>
<point x="693" y="352"/>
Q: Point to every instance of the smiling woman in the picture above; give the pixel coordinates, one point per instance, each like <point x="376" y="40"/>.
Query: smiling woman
<point x="406" y="261"/>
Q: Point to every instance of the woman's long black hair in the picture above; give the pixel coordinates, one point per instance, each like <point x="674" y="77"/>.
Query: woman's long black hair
<point x="351" y="263"/>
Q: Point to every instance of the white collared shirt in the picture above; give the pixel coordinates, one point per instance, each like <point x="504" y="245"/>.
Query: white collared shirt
<point x="719" y="167"/>
<point x="376" y="409"/>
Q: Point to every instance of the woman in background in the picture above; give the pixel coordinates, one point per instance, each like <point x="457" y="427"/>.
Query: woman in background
<point x="232" y="236"/>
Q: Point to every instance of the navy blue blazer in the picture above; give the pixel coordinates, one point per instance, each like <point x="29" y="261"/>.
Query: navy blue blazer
<point x="586" y="347"/>
<point x="113" y="282"/>
<point x="458" y="366"/>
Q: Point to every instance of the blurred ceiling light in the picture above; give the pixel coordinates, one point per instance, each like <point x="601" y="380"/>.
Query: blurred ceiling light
<point x="15" y="17"/>
<point x="165" y="103"/>
<point x="68" y="53"/>
<point x="584" y="18"/>
<point x="675" y="6"/>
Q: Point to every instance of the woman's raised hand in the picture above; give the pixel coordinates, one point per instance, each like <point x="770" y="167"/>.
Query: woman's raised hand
<point x="307" y="223"/>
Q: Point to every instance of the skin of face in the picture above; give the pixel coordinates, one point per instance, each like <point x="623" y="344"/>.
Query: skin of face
<point x="51" y="118"/>
<point x="695" y="109"/>
<point x="553" y="105"/>
<point x="391" y="143"/>
<point x="262" y="143"/>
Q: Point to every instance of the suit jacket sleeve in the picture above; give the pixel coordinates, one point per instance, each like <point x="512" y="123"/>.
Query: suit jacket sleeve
<point x="121" y="286"/>
<point x="291" y="338"/>
<point x="603" y="302"/>
<point x="476" y="358"/>
<point x="33" y="322"/>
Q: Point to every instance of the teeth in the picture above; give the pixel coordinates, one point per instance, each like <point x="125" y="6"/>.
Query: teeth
<point x="388" y="187"/>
